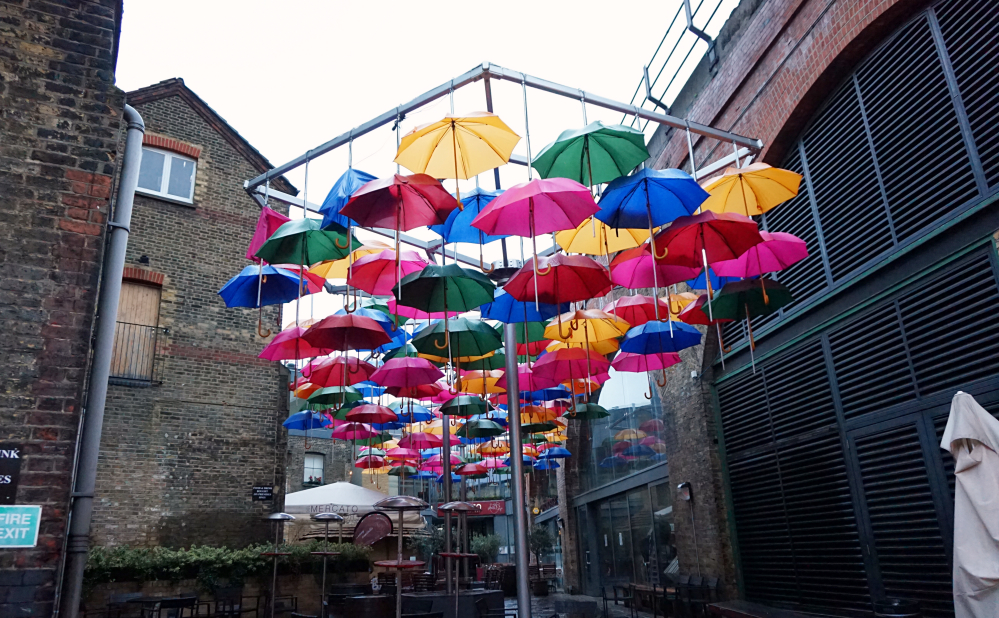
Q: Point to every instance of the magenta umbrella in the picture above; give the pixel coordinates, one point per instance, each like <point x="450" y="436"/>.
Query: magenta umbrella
<point x="437" y="460"/>
<point x="525" y="379"/>
<point x="639" y="363"/>
<point x="289" y="345"/>
<point x="492" y="463"/>
<point x="353" y="431"/>
<point x="777" y="251"/>
<point x="407" y="372"/>
<point x="420" y="441"/>
<point x="415" y="314"/>
<point x="567" y="364"/>
<point x="378" y="273"/>
<point x="632" y="269"/>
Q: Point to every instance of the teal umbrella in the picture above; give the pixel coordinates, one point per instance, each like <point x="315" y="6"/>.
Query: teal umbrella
<point x="594" y="154"/>
<point x="465" y="406"/>
<point x="480" y="428"/>
<point x="304" y="242"/>
<point x="445" y="288"/>
<point x="466" y="337"/>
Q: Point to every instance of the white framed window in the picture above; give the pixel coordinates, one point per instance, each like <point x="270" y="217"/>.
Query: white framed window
<point x="167" y="174"/>
<point x="313" y="468"/>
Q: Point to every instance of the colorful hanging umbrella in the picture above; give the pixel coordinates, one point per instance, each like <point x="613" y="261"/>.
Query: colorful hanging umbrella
<point x="613" y="462"/>
<point x="347" y="332"/>
<point x="404" y="471"/>
<point x="267" y="223"/>
<point x="653" y="425"/>
<point x="559" y="366"/>
<point x="353" y="432"/>
<point x="402" y="454"/>
<point x="555" y="452"/>
<point x="340" y="269"/>
<point x="303" y="241"/>
<point x="466" y="337"/>
<point x="407" y="372"/>
<point x="371" y="413"/>
<point x="585" y="326"/>
<point x="711" y="280"/>
<point x="594" y="154"/>
<point x="314" y="282"/>
<point x="345" y="186"/>
<point x="629" y="434"/>
<point x="593" y="237"/>
<point x="480" y="428"/>
<point x="507" y="309"/>
<point x="638" y="450"/>
<point x="777" y="252"/>
<point x="410" y="412"/>
<point x="751" y="190"/>
<point x="464" y="406"/>
<point x="458" y="227"/>
<point x="370" y="462"/>
<point x="482" y="382"/>
<point x="547" y="464"/>
<point x="587" y="412"/>
<point x="659" y="337"/>
<point x="445" y="288"/>
<point x="560" y="278"/>
<point x="420" y="440"/>
<point x="650" y="198"/>
<point x="334" y="396"/>
<point x="457" y="146"/>
<point x="637" y="310"/>
<point x="699" y="240"/>
<point x="338" y="371"/>
<point x="279" y="286"/>
<point x="642" y="363"/>
<point x="400" y="203"/>
<point x="696" y="313"/>
<point x="376" y="274"/>
<point x="750" y="298"/>
<point x="602" y="348"/>
<point x="423" y="391"/>
<point x="632" y="269"/>
<point x="411" y="312"/>
<point x="304" y="421"/>
<point x="289" y="345"/>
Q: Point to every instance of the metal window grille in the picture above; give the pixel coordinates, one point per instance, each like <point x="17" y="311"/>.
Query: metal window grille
<point x="133" y="362"/>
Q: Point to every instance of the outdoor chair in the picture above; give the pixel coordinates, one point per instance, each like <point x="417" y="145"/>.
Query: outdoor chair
<point x="122" y="605"/>
<point x="230" y="603"/>
<point x="484" y="611"/>
<point x="285" y="605"/>
<point x="180" y="607"/>
<point x="625" y="596"/>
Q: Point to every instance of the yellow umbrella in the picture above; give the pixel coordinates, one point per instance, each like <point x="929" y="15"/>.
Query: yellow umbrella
<point x="494" y="448"/>
<point x="751" y="190"/>
<point x="457" y="359"/>
<point x="594" y="237"/>
<point x="482" y="382"/>
<point x="537" y="414"/>
<point x="677" y="303"/>
<point x="602" y="348"/>
<point x="457" y="146"/>
<point x="337" y="269"/>
<point x="436" y="428"/>
<point x="586" y="326"/>
<point x="630" y="434"/>
<point x="555" y="436"/>
<point x="527" y="449"/>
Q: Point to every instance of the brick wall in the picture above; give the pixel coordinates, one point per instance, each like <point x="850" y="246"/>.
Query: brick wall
<point x="179" y="458"/>
<point x="59" y="121"/>
<point x="337" y="462"/>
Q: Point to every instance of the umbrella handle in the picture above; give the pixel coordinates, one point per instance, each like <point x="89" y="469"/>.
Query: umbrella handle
<point x="656" y="256"/>
<point x="661" y="383"/>
<point x="260" y="323"/>
<point x="649" y="394"/>
<point x="336" y="241"/>
<point x="542" y="271"/>
<point x="357" y="370"/>
<point x="679" y="309"/>
<point x="482" y="265"/>
<point x="564" y="335"/>
<point x="346" y="304"/>
<point x="447" y="340"/>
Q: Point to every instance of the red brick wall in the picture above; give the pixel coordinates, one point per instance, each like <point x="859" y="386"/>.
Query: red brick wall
<point x="59" y="120"/>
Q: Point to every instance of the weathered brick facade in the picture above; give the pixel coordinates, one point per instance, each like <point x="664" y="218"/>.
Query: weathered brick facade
<point x="180" y="457"/>
<point x="59" y="124"/>
<point x="337" y="462"/>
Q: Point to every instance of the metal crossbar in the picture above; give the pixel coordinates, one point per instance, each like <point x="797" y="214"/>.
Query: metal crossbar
<point x="491" y="71"/>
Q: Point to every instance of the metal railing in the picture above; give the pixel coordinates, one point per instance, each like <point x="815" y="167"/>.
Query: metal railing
<point x="675" y="58"/>
<point x="133" y="361"/>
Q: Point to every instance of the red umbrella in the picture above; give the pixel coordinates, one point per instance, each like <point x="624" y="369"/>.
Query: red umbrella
<point x="632" y="269"/>
<point x="694" y="313"/>
<point x="706" y="238"/>
<point x="289" y="345"/>
<point x="420" y="441"/>
<point x="422" y="391"/>
<point x="470" y="469"/>
<point x="376" y="273"/>
<point x="637" y="310"/>
<point x="338" y="371"/>
<point x="533" y="348"/>
<point x="560" y="278"/>
<point x="370" y="462"/>
<point x="347" y="332"/>
<point x="371" y="413"/>
<point x="566" y="364"/>
<point x="400" y="454"/>
<point x="407" y="372"/>
<point x="400" y="203"/>
<point x="652" y="426"/>
<point x="353" y="431"/>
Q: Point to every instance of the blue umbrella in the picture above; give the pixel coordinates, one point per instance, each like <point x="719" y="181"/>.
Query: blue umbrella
<point x="424" y="474"/>
<point x="556" y="452"/>
<point x="473" y="440"/>
<point x="454" y="478"/>
<point x="387" y="426"/>
<point x="496" y="416"/>
<point x="343" y="188"/>
<point x="655" y="337"/>
<point x="638" y="450"/>
<point x="280" y="287"/>
<point x="527" y="460"/>
<point x="412" y="414"/>
<point x="305" y="421"/>
<point x="458" y="227"/>
<point x="614" y="462"/>
<point x="650" y="198"/>
<point x="399" y="339"/>
<point x="717" y="281"/>
<point x="369" y="389"/>
<point x="546" y="464"/>
<point x="507" y="309"/>
<point x="547" y="394"/>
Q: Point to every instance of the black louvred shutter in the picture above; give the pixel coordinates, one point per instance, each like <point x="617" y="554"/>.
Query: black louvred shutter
<point x="798" y="392"/>
<point x="744" y="414"/>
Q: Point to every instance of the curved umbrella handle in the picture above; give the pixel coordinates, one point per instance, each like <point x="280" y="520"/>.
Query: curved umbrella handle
<point x="336" y="241"/>
<point x="346" y="304"/>
<point x="661" y="383"/>
<point x="357" y="368"/>
<point x="669" y="305"/>
<point x="447" y="340"/>
<point x="562" y="335"/>
<point x="655" y="255"/>
<point x="482" y="265"/>
<point x="649" y="394"/>
<point x="541" y="271"/>
<point x="260" y="324"/>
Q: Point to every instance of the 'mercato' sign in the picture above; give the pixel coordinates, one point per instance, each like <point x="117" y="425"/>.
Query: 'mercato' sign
<point x="19" y="526"/>
<point x="487" y="507"/>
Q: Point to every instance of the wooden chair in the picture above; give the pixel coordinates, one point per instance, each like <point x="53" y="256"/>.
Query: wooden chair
<point x="423" y="582"/>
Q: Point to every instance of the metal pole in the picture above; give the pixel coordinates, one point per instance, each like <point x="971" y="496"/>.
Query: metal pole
<point x="517" y="472"/>
<point x="81" y="511"/>
<point x="277" y="539"/>
<point x="398" y="570"/>
<point x="446" y="452"/>
<point x="322" y="592"/>
<point x="496" y="174"/>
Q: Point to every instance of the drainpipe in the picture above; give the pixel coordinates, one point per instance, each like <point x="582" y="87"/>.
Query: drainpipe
<point x="78" y="542"/>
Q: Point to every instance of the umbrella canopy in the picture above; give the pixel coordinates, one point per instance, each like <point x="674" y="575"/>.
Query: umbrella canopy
<point x="537" y="207"/>
<point x="594" y="237"/>
<point x="304" y="421"/>
<point x="400" y="203"/>
<point x="629" y="434"/>
<point x="702" y="280"/>
<point x="467" y="337"/>
<point x="697" y="313"/>
<point x="632" y="269"/>
<point x="277" y="286"/>
<point x="424" y="391"/>
<point x="659" y="337"/>
<point x="458" y="227"/>
<point x="507" y="309"/>
<point x="353" y="432"/>
<point x="345" y="186"/>
<point x="587" y="412"/>
<point x="411" y="312"/>
<point x="751" y="190"/>
<point x="613" y="462"/>
<point x="777" y="252"/>
<point x="410" y="412"/>
<point x="334" y="396"/>
<point x="371" y="413"/>
<point x="653" y="425"/>
<point x="749" y="299"/>
<point x="602" y="348"/>
<point x="640" y="363"/>
<point x="555" y="452"/>
<point x="370" y="462"/>
<point x="480" y="428"/>
<point x="546" y="464"/>
<point x="267" y="223"/>
<point x="407" y="471"/>
<point x="638" y="450"/>
<point x="340" y="269"/>
<point x="445" y="288"/>
<point x="561" y="365"/>
<point x="710" y="236"/>
<point x="484" y="382"/>
<point x="347" y="332"/>
<point x="586" y="325"/>
<point x="338" y="371"/>
<point x="560" y="278"/>
<point x="594" y="154"/>
<point x="289" y="345"/>
<point x="377" y="274"/>
<point x="407" y="372"/>
<point x="457" y="146"/>
<point x="420" y="440"/>
<point x="650" y="198"/>
<point x="304" y="241"/>
<point x="402" y="454"/>
<point x="637" y="310"/>
<point x="464" y="406"/>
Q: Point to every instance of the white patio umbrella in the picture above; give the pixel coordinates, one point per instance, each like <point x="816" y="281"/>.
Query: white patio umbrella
<point x="972" y="437"/>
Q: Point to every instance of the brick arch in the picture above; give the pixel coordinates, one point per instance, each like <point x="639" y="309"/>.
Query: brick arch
<point x="134" y="273"/>
<point x="171" y="144"/>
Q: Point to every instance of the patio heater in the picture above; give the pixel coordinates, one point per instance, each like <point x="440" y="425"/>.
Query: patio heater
<point x="400" y="504"/>
<point x="462" y="509"/>
<point x="279" y="520"/>
<point x="326" y="518"/>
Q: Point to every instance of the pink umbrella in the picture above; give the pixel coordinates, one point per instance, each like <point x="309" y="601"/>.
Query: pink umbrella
<point x="491" y="463"/>
<point x="420" y="441"/>
<point x="470" y="469"/>
<point x="409" y="312"/>
<point x="566" y="364"/>
<point x="639" y="363"/>
<point x="338" y="371"/>
<point x="370" y="462"/>
<point x="525" y="379"/>
<point x="407" y="372"/>
<point x="377" y="273"/>
<point x="267" y="223"/>
<point x="371" y="413"/>
<point x="438" y="460"/>
<point x="289" y="345"/>
<point x="637" y="310"/>
<point x="402" y="454"/>
<point x="632" y="269"/>
<point x="652" y="426"/>
<point x="421" y="391"/>
<point x="353" y="431"/>
<point x="777" y="251"/>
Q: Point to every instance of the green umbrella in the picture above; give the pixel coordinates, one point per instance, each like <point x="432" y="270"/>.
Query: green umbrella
<point x="466" y="337"/>
<point x="501" y="470"/>
<point x="334" y="396"/>
<point x="465" y="406"/>
<point x="303" y="242"/>
<point x="528" y="428"/>
<point x="340" y="414"/>
<point x="445" y="288"/>
<point x="378" y="305"/>
<point x="480" y="428"/>
<point x="409" y="471"/>
<point x="535" y="331"/>
<point x="496" y="361"/>
<point x="404" y="351"/>
<point x="594" y="154"/>
<point x="381" y="438"/>
<point x="747" y="299"/>
<point x="587" y="412"/>
<point x="373" y="452"/>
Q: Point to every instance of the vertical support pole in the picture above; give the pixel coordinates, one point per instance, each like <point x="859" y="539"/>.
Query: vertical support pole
<point x="496" y="174"/>
<point x="446" y="456"/>
<point x="398" y="570"/>
<point x="517" y="474"/>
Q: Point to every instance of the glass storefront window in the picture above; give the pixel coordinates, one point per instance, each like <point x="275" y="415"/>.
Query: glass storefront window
<point x="629" y="440"/>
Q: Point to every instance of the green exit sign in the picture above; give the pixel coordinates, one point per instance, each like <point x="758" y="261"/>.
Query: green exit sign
<point x="19" y="526"/>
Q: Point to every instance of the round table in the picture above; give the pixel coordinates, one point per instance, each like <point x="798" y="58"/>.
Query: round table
<point x="399" y="564"/>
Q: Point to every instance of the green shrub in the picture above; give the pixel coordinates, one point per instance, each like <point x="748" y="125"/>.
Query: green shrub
<point x="486" y="545"/>
<point x="540" y="540"/>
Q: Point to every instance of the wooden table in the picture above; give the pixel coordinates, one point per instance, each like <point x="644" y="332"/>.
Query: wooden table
<point x="748" y="609"/>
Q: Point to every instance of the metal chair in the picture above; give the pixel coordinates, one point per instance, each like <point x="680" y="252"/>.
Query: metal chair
<point x="484" y="611"/>
<point x="285" y="605"/>
<point x="230" y="603"/>
<point x="171" y="608"/>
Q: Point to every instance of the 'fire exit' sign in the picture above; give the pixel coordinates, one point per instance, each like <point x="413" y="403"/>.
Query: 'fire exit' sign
<point x="19" y="526"/>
